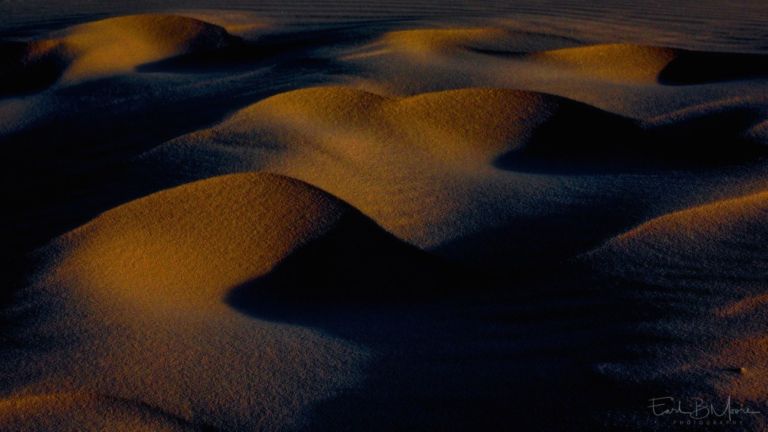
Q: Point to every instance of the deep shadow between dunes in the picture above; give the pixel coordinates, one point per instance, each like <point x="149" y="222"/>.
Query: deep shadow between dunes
<point x="356" y="263"/>
<point x="455" y="349"/>
<point x="535" y="243"/>
<point x="699" y="67"/>
<point x="591" y="141"/>
<point x="19" y="77"/>
<point x="462" y="349"/>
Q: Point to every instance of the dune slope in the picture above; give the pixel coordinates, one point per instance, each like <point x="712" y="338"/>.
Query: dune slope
<point x="105" y="47"/>
<point x="718" y="243"/>
<point x="181" y="271"/>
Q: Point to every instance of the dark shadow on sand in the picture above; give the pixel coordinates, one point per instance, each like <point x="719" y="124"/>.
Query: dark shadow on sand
<point x="591" y="141"/>
<point x="460" y="350"/>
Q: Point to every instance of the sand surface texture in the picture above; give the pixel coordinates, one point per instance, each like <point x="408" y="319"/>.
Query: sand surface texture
<point x="259" y="216"/>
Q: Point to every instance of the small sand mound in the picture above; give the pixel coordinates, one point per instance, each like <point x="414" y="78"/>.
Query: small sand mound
<point x="194" y="242"/>
<point x="105" y="47"/>
<point x="30" y="66"/>
<point x="123" y="43"/>
<point x="625" y="62"/>
<point x="75" y="412"/>
<point x="618" y="62"/>
<point x="448" y="40"/>
<point x="717" y="244"/>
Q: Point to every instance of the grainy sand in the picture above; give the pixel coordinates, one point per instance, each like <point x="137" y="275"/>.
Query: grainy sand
<point x="333" y="215"/>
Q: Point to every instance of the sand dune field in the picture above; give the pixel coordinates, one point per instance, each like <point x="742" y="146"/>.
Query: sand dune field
<point x="389" y="216"/>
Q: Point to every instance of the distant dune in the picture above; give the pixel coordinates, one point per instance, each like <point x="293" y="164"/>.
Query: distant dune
<point x="383" y="216"/>
<point x="106" y="47"/>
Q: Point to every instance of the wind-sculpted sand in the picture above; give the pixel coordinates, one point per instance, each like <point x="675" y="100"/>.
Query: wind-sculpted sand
<point x="246" y="220"/>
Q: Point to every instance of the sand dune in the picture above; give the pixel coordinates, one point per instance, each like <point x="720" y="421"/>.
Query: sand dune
<point x="461" y="126"/>
<point x="451" y="40"/>
<point x="197" y="241"/>
<point x="31" y="66"/>
<point x="187" y="271"/>
<point x="665" y="65"/>
<point x="714" y="244"/>
<point x="440" y="148"/>
<point x="613" y="62"/>
<point x="708" y="260"/>
<point x="214" y="235"/>
<point x="448" y="149"/>
<point x="107" y="47"/>
<point x="622" y="63"/>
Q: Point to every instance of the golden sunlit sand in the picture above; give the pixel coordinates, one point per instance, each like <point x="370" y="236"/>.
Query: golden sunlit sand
<point x="381" y="217"/>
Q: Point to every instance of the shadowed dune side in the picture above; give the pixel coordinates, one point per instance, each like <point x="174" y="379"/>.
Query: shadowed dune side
<point x="712" y="261"/>
<point x="718" y="243"/>
<point x="354" y="264"/>
<point x="82" y="142"/>
<point x="733" y="124"/>
<point x="71" y="412"/>
<point x="105" y="47"/>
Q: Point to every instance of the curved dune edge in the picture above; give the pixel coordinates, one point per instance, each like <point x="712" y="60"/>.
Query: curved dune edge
<point x="109" y="46"/>
<point x="716" y="243"/>
<point x="618" y="62"/>
<point x="414" y="165"/>
<point x="603" y="62"/>
<point x="463" y="126"/>
<point x="708" y="265"/>
<point x="425" y="41"/>
<point x="84" y="412"/>
<point x="207" y="276"/>
<point x="419" y="166"/>
<point x="192" y="243"/>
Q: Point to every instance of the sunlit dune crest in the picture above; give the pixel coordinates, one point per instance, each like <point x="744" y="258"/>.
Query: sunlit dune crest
<point x="715" y="243"/>
<point x="615" y="62"/>
<point x="192" y="243"/>
<point x="116" y="45"/>
<point x="446" y="40"/>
